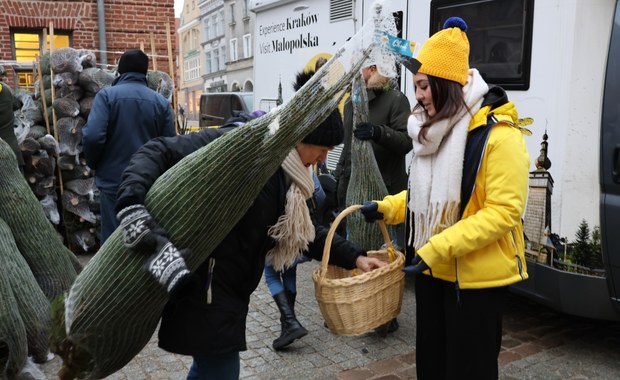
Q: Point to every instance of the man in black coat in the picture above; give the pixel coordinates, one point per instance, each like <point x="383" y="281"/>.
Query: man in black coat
<point x="206" y="317"/>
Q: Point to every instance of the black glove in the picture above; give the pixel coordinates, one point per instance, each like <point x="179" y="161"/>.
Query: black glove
<point x="167" y="264"/>
<point x="367" y="131"/>
<point x="369" y="210"/>
<point x="417" y="265"/>
<point x="136" y="223"/>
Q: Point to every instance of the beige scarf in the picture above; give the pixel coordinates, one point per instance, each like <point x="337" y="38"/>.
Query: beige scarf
<point x="294" y="229"/>
<point x="436" y="169"/>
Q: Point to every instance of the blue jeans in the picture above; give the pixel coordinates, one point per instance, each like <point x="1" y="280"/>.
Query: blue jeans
<point x="277" y="282"/>
<point x="107" y="202"/>
<point x="215" y="367"/>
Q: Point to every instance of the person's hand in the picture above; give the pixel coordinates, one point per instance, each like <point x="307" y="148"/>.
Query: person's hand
<point x="366" y="264"/>
<point x="417" y="265"/>
<point x="367" y="131"/>
<point x="370" y="211"/>
<point x="167" y="264"/>
<point x="136" y="223"/>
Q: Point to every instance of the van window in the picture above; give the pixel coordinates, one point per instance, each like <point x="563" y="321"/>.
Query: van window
<point x="216" y="108"/>
<point x="500" y="36"/>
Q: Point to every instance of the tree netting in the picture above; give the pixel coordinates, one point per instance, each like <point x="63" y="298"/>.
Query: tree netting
<point x="366" y="182"/>
<point x="114" y="305"/>
<point x="31" y="303"/>
<point x="49" y="260"/>
<point x="37" y="267"/>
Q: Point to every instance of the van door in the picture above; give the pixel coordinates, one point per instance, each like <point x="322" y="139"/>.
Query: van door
<point x="610" y="165"/>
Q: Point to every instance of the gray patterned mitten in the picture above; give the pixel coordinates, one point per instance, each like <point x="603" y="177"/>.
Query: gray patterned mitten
<point x="167" y="264"/>
<point x="136" y="223"/>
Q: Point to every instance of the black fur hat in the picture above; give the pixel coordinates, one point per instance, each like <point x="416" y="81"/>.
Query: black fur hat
<point x="330" y="132"/>
<point x="133" y="60"/>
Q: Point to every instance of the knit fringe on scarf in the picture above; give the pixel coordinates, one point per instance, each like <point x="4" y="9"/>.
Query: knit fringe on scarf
<point x="436" y="169"/>
<point x="294" y="229"/>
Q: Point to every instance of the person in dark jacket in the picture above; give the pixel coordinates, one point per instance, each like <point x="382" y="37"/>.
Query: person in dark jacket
<point x="206" y="317"/>
<point x="122" y="118"/>
<point x="9" y="104"/>
<point x="386" y="129"/>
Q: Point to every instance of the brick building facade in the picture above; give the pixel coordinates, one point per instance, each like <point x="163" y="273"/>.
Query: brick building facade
<point x="128" y="23"/>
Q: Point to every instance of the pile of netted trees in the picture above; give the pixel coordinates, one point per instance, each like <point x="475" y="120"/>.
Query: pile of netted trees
<point x="49" y="129"/>
<point x="36" y="268"/>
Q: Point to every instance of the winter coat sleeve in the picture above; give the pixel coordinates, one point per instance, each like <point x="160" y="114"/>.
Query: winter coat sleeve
<point x="169" y="129"/>
<point x="394" y="135"/>
<point x="393" y="208"/>
<point x="343" y="253"/>
<point x="153" y="159"/>
<point x="94" y="133"/>
<point x="343" y="168"/>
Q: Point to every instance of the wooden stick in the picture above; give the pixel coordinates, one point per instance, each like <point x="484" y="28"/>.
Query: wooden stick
<point x="153" y="52"/>
<point x="44" y="40"/>
<point x="43" y="101"/>
<point x="54" y="121"/>
<point x="171" y="68"/>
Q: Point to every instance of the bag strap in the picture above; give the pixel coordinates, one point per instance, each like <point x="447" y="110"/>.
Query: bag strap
<point x="474" y="150"/>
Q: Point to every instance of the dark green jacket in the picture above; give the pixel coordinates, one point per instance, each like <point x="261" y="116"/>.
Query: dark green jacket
<point x="390" y="110"/>
<point x="8" y="104"/>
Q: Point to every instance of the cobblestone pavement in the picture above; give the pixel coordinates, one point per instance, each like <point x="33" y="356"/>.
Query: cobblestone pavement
<point x="538" y="344"/>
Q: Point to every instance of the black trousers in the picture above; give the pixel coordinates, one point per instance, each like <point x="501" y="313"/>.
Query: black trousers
<point x="457" y="338"/>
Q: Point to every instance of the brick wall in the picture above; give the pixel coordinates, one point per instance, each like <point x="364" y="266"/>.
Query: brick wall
<point x="127" y="23"/>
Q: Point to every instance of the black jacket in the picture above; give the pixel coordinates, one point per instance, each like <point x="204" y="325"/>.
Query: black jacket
<point x="389" y="110"/>
<point x="210" y="318"/>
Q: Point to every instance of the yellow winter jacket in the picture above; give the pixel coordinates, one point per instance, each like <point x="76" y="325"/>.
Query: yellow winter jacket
<point x="485" y="248"/>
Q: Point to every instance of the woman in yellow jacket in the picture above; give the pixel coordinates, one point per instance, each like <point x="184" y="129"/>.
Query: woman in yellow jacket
<point x="468" y="184"/>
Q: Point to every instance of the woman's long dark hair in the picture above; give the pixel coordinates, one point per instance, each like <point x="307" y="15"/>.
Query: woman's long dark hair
<point x="448" y="100"/>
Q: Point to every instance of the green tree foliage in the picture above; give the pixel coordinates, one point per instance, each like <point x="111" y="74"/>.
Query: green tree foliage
<point x="596" y="256"/>
<point x="581" y="246"/>
<point x="586" y="249"/>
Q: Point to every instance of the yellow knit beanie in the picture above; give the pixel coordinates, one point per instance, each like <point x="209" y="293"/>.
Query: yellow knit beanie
<point x="446" y="53"/>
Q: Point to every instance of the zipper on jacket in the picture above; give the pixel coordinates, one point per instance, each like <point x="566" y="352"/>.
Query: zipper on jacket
<point x="209" y="278"/>
<point x="519" y="263"/>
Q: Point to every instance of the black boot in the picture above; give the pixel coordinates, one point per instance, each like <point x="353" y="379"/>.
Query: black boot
<point x="389" y="327"/>
<point x="291" y="328"/>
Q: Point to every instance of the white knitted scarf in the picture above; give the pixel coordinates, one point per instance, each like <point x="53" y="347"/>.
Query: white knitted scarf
<point x="436" y="169"/>
<point x="294" y="229"/>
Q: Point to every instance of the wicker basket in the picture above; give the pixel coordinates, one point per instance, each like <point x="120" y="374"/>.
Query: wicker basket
<point x="352" y="303"/>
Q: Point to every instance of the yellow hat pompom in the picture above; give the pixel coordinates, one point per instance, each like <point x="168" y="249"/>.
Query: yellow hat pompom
<point x="446" y="53"/>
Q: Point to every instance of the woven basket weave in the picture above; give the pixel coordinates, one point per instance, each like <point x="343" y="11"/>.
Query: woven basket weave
<point x="354" y="303"/>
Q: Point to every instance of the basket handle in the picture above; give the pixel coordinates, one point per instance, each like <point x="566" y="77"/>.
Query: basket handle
<point x="332" y="230"/>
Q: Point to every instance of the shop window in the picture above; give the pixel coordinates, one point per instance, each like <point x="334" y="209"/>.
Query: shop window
<point x="27" y="45"/>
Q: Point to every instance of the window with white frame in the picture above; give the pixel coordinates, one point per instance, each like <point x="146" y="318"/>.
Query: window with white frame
<point x="191" y="68"/>
<point x="208" y="28"/>
<point x="247" y="45"/>
<point x="208" y="63"/>
<point x="214" y="26"/>
<point x="222" y="60"/>
<point x="233" y="50"/>
<point x="215" y="60"/>
<point x="194" y="39"/>
<point x="219" y="23"/>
